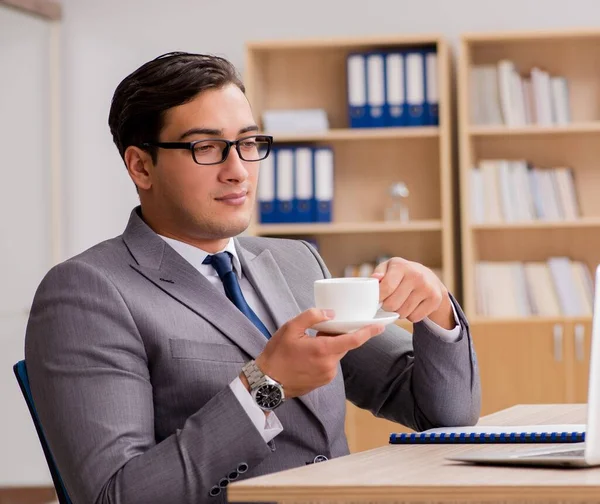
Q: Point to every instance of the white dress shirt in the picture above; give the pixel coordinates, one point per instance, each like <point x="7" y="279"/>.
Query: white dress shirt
<point x="268" y="425"/>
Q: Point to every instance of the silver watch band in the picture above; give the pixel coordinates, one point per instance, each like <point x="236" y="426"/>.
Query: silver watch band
<point x="253" y="374"/>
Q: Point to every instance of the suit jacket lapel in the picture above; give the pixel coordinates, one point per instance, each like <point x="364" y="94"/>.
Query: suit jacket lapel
<point x="171" y="273"/>
<point x="270" y="284"/>
<point x="266" y="277"/>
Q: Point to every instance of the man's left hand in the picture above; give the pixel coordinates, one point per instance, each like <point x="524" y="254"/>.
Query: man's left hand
<point x="414" y="292"/>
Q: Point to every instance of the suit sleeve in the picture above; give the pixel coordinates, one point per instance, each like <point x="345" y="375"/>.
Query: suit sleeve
<point x="420" y="380"/>
<point x="91" y="384"/>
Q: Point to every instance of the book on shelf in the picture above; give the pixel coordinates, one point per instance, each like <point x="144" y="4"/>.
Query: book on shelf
<point x="557" y="287"/>
<point x="295" y="121"/>
<point x="502" y="95"/>
<point x="516" y="191"/>
<point x="393" y="87"/>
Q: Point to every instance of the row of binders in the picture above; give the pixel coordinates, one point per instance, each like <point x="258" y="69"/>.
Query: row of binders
<point x="295" y="185"/>
<point x="502" y="96"/>
<point x="515" y="191"/>
<point x="393" y="88"/>
<point x="556" y="287"/>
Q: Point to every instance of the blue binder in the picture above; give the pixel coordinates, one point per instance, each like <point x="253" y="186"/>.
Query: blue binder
<point x="432" y="114"/>
<point x="284" y="194"/>
<point x="356" y="76"/>
<point x="304" y="186"/>
<point x="395" y="84"/>
<point x="375" y="89"/>
<point x="324" y="183"/>
<point x="415" y="87"/>
<point x="266" y="189"/>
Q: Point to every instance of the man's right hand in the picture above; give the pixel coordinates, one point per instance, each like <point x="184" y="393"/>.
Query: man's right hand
<point x="302" y="363"/>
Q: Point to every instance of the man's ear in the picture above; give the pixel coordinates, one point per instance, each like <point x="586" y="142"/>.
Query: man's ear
<point x="139" y="165"/>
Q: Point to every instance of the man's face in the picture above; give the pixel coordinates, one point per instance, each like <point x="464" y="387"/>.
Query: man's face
<point x="205" y="202"/>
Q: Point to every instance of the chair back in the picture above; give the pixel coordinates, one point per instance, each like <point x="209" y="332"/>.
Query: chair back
<point x="21" y="373"/>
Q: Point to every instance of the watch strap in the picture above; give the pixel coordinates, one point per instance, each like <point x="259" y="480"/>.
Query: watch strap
<point x="253" y="374"/>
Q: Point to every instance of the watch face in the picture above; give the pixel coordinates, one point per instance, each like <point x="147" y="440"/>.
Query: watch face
<point x="269" y="396"/>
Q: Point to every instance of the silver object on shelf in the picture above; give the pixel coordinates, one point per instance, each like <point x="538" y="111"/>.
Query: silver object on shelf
<point x="398" y="209"/>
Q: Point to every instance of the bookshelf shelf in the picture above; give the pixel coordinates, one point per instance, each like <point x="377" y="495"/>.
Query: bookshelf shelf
<point x="503" y="131"/>
<point x="355" y="134"/>
<point x="584" y="223"/>
<point x="535" y="153"/>
<point x="348" y="227"/>
<point x="510" y="321"/>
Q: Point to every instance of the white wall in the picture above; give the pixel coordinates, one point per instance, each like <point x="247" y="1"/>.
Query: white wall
<point x="103" y="41"/>
<point x="25" y="251"/>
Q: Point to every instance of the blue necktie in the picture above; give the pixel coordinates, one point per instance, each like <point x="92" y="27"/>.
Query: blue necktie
<point x="222" y="264"/>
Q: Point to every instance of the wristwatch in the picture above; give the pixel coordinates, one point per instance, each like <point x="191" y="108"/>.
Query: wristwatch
<point x="266" y="392"/>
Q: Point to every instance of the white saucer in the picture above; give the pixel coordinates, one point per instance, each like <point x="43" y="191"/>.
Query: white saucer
<point x="346" y="326"/>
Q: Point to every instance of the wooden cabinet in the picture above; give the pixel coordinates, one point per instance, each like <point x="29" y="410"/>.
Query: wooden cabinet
<point x="529" y="362"/>
<point x="579" y="350"/>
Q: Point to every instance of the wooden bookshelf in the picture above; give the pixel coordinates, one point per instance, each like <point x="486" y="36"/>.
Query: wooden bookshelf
<point x="532" y="359"/>
<point x="281" y="75"/>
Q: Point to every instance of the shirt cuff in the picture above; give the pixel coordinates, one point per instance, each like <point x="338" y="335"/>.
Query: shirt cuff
<point x="268" y="425"/>
<point x="449" y="335"/>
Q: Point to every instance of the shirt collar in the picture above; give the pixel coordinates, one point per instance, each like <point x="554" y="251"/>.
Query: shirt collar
<point x="195" y="256"/>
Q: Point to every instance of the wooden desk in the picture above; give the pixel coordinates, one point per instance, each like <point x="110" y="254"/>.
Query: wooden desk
<point x="420" y="473"/>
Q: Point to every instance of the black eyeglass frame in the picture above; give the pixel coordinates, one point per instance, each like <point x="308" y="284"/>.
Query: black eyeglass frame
<point x="229" y="144"/>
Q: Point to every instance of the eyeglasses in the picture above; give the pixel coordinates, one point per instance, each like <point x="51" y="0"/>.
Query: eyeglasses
<point x="215" y="150"/>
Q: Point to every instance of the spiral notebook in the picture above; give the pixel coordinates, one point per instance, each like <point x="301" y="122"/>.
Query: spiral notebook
<point x="567" y="433"/>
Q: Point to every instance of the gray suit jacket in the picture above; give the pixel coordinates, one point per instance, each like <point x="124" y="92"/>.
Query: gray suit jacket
<point x="130" y="351"/>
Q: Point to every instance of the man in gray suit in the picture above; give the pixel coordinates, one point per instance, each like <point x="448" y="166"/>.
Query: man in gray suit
<point x="175" y="358"/>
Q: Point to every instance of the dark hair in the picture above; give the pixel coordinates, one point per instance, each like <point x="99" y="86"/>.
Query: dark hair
<point x="141" y="99"/>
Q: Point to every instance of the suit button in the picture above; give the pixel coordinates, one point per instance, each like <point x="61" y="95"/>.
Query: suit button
<point x="214" y="491"/>
<point x="233" y="475"/>
<point x="242" y="468"/>
<point x="320" y="458"/>
<point x="223" y="482"/>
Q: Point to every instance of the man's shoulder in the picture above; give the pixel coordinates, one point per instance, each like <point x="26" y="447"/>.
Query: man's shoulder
<point x="106" y="256"/>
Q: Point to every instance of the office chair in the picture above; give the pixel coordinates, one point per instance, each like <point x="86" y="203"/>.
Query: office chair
<point x="21" y="373"/>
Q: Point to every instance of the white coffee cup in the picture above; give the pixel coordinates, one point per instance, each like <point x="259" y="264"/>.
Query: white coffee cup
<point x="353" y="298"/>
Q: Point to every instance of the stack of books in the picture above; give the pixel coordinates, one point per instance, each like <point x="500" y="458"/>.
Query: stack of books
<point x="500" y="95"/>
<point x="516" y="191"/>
<point x="557" y="287"/>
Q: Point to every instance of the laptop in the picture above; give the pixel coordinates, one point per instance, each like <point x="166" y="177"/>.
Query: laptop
<point x="586" y="454"/>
